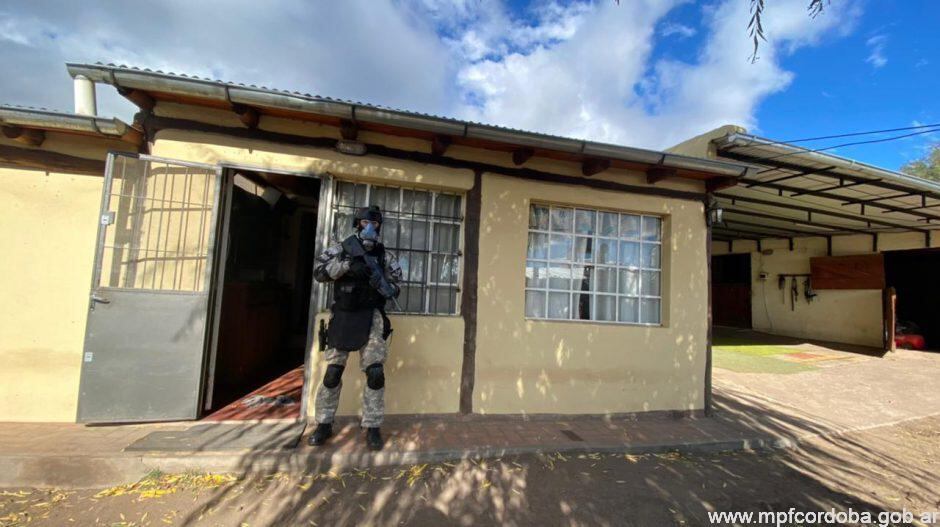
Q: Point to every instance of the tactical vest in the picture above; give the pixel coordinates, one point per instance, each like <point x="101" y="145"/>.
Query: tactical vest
<point x="354" y="302"/>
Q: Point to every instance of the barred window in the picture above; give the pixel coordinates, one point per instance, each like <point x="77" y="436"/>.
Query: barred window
<point x="593" y="265"/>
<point x="423" y="229"/>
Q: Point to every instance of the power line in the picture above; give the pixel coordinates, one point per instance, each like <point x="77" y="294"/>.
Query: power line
<point x="853" y="134"/>
<point x="854" y="143"/>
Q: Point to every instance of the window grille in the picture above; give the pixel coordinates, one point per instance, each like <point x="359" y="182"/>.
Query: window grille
<point x="423" y="229"/>
<point x="594" y="265"/>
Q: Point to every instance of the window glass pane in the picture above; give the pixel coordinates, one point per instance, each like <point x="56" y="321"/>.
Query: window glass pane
<point x="649" y="255"/>
<point x="446" y="238"/>
<point x="607" y="224"/>
<point x="605" y="279"/>
<point x="535" y="304"/>
<point x="342" y="225"/>
<point x="411" y="298"/>
<point x="649" y="283"/>
<point x="447" y="205"/>
<point x="558" y="305"/>
<point x="630" y="254"/>
<point x="606" y="251"/>
<point x="443" y="300"/>
<point x="581" y="278"/>
<point x="605" y="307"/>
<point x="582" y="306"/>
<point x="629" y="282"/>
<point x="538" y="246"/>
<point x="536" y="274"/>
<point x="351" y="194"/>
<point x="386" y="198"/>
<point x="412" y="265"/>
<point x="559" y="277"/>
<point x="584" y="221"/>
<point x="414" y="235"/>
<point x="416" y="201"/>
<point x="649" y="311"/>
<point x="391" y="236"/>
<point x="584" y="249"/>
<point x="629" y="226"/>
<point x="562" y="219"/>
<point x="562" y="247"/>
<point x="651" y="228"/>
<point x="443" y="269"/>
<point x="538" y="218"/>
<point x="628" y="310"/>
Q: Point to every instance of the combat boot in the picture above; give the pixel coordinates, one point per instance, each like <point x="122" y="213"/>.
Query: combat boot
<point x="321" y="434"/>
<point x="374" y="439"/>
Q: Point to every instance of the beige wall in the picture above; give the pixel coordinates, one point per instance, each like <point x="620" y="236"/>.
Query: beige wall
<point x="529" y="366"/>
<point x="47" y="241"/>
<point x="849" y="316"/>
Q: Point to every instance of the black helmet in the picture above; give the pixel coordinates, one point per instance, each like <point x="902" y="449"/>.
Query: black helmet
<point x="372" y="213"/>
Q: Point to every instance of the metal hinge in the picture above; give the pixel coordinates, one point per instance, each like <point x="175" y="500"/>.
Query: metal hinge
<point x="107" y="218"/>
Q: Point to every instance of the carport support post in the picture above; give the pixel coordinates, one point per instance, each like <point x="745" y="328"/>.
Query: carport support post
<point x="468" y="300"/>
<point x="708" y="335"/>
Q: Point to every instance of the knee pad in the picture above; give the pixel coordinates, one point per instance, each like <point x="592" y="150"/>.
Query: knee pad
<point x="333" y="375"/>
<point x="375" y="376"/>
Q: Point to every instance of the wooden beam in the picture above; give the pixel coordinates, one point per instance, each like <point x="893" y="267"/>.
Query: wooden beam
<point x="521" y="155"/>
<point x="142" y="99"/>
<point x="468" y="298"/>
<point x="27" y="136"/>
<point x="439" y="145"/>
<point x="249" y="116"/>
<point x="348" y="129"/>
<point x="52" y="161"/>
<point x="656" y="174"/>
<point x="153" y="124"/>
<point x="592" y="166"/>
<point x="720" y="183"/>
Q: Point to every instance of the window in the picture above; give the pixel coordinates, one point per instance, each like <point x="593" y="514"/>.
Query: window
<point x="593" y="265"/>
<point x="423" y="229"/>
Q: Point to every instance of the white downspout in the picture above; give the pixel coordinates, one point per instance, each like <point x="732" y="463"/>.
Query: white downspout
<point x="85" y="103"/>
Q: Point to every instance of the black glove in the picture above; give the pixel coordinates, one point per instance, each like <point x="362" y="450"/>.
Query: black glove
<point x="358" y="268"/>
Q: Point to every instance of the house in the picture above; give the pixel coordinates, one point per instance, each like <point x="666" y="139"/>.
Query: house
<point x="542" y="274"/>
<point x="862" y="238"/>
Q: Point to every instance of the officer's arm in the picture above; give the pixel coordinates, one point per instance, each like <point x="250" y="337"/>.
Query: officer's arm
<point x="393" y="272"/>
<point x="331" y="264"/>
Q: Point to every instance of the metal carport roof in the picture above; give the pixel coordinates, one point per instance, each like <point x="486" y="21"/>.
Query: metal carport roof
<point x="796" y="192"/>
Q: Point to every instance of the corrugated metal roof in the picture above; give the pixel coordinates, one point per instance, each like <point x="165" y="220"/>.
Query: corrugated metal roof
<point x="129" y="77"/>
<point x="41" y="118"/>
<point x="799" y="192"/>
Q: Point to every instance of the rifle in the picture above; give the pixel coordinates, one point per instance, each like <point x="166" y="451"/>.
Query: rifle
<point x="353" y="247"/>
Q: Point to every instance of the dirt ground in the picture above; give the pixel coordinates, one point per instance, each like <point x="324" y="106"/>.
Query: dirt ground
<point x="884" y="469"/>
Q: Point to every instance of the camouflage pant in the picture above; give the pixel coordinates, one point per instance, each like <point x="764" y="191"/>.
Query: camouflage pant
<point x="375" y="351"/>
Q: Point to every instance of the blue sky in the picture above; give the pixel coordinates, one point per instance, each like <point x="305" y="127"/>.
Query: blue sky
<point x="647" y="73"/>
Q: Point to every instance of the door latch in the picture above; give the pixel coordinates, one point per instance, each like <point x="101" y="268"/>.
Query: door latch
<point x="107" y="218"/>
<point x="95" y="297"/>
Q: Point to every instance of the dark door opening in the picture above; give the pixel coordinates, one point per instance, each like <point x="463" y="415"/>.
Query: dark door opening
<point x="731" y="290"/>
<point x="913" y="275"/>
<point x="257" y="372"/>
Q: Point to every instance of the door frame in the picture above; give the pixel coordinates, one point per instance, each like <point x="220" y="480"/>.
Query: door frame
<point x="94" y="286"/>
<point x="324" y="220"/>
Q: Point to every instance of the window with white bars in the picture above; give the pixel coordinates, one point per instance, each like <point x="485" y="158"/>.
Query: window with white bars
<point x="593" y="265"/>
<point x="423" y="229"/>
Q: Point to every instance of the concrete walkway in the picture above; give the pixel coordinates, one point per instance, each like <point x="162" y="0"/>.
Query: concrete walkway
<point x="753" y="410"/>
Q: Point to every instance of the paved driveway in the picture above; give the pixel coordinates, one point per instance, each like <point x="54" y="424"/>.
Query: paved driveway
<point x="827" y="386"/>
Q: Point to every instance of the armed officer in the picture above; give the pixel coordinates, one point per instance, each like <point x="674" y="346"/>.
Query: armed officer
<point x="365" y="276"/>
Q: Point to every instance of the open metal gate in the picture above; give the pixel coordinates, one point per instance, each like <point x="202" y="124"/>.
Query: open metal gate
<point x="147" y="317"/>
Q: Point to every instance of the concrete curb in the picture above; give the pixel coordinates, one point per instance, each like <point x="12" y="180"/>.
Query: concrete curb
<point x="89" y="471"/>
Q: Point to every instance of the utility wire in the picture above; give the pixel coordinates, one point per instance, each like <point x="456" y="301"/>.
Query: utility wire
<point x="853" y="134"/>
<point x="854" y="143"/>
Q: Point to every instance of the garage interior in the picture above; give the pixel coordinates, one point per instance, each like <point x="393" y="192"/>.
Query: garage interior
<point x="914" y="276"/>
<point x="257" y="368"/>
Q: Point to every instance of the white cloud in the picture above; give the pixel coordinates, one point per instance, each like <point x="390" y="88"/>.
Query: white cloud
<point x="876" y="45"/>
<point x="586" y="68"/>
<point x="674" y="28"/>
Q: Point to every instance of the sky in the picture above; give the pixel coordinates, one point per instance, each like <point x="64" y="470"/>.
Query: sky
<point x="646" y="73"/>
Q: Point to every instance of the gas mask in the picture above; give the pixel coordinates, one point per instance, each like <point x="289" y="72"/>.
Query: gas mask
<point x="369" y="236"/>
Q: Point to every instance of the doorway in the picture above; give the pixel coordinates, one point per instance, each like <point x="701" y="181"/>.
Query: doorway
<point x="731" y="290"/>
<point x="913" y="275"/>
<point x="256" y="369"/>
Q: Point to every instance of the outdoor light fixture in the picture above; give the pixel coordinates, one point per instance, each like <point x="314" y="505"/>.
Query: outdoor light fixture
<point x="353" y="148"/>
<point x="714" y="214"/>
